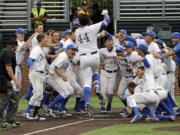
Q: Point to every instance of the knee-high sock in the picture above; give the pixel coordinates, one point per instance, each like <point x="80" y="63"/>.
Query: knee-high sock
<point x="63" y="103"/>
<point x="29" y="108"/>
<point x="148" y="112"/>
<point x="135" y="110"/>
<point x="29" y="92"/>
<point x="76" y="107"/>
<point x="87" y="93"/>
<point x="171" y="100"/>
<point x="57" y="100"/>
<point x="96" y="82"/>
<point x="163" y="106"/>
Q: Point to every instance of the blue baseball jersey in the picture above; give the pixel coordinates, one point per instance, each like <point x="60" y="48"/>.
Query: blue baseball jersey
<point x="177" y="50"/>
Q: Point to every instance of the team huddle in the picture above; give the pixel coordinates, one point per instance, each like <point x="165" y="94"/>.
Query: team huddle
<point x="74" y="65"/>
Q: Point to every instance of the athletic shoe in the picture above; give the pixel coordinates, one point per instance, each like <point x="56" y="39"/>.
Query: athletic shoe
<point x="149" y="119"/>
<point x="11" y="124"/>
<point x="103" y="110"/>
<point x="172" y="118"/>
<point x="28" y="116"/>
<point x="136" y="118"/>
<point x="40" y="118"/>
<point x="124" y="114"/>
<point x="50" y="112"/>
<point x="65" y="113"/>
<point x="89" y="111"/>
<point x="108" y="108"/>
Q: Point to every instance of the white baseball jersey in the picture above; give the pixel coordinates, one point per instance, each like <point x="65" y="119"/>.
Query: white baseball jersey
<point x="125" y="68"/>
<point x="20" y="53"/>
<point x="86" y="38"/>
<point x="62" y="62"/>
<point x="38" y="55"/>
<point x="109" y="58"/>
<point x="153" y="48"/>
<point x="34" y="42"/>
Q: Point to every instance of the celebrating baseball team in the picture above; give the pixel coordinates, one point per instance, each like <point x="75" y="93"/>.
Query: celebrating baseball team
<point x="143" y="67"/>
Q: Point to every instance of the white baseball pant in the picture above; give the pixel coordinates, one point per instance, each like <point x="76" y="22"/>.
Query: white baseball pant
<point x="89" y="65"/>
<point x="123" y="87"/>
<point x="108" y="82"/>
<point x="18" y="75"/>
<point x="171" y="83"/>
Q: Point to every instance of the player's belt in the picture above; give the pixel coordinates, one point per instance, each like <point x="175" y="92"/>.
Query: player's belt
<point x="156" y="92"/>
<point x="42" y="72"/>
<point x="90" y="53"/>
<point x="129" y="76"/>
<point x="109" y="71"/>
<point x="168" y="72"/>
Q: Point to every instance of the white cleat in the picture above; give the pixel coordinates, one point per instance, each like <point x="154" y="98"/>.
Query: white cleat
<point x="28" y="116"/>
<point x="136" y="118"/>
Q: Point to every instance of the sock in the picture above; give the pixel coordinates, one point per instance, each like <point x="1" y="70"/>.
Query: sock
<point x="63" y="104"/>
<point x="82" y="104"/>
<point x="46" y="98"/>
<point x="171" y="100"/>
<point x="147" y="111"/>
<point x="77" y="104"/>
<point x="124" y="102"/>
<point x="135" y="110"/>
<point x="168" y="103"/>
<point x="161" y="117"/>
<point x="164" y="107"/>
<point x="87" y="93"/>
<point x="109" y="98"/>
<point x="36" y="110"/>
<point x="58" y="99"/>
<point x="29" y="108"/>
<point x="29" y="92"/>
<point x="96" y="82"/>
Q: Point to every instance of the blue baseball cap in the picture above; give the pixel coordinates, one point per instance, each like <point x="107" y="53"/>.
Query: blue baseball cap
<point x="124" y="31"/>
<point x="151" y="33"/>
<point x="175" y="35"/>
<point x="129" y="44"/>
<point x="143" y="47"/>
<point x="119" y="48"/>
<point x="20" y="30"/>
<point x="71" y="46"/>
<point x="159" y="41"/>
<point x="66" y="32"/>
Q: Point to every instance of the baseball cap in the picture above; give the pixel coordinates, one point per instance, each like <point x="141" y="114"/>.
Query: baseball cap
<point x="151" y="33"/>
<point x="143" y="47"/>
<point x="175" y="35"/>
<point x="124" y="31"/>
<point x="119" y="48"/>
<point x="66" y="32"/>
<point x="129" y="44"/>
<point x="20" y="30"/>
<point x="159" y="41"/>
<point x="71" y="46"/>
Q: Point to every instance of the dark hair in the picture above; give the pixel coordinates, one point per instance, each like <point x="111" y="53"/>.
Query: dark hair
<point x="132" y="85"/>
<point x="12" y="42"/>
<point x="38" y="24"/>
<point x="40" y="37"/>
<point x="84" y="19"/>
<point x="141" y="67"/>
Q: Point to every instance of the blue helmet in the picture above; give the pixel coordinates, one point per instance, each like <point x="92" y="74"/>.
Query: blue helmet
<point x="143" y="47"/>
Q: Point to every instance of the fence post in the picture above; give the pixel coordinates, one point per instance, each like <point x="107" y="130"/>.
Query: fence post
<point x="28" y="15"/>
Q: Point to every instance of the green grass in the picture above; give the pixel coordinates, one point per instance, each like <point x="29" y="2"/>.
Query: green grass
<point x="133" y="129"/>
<point x="94" y="101"/>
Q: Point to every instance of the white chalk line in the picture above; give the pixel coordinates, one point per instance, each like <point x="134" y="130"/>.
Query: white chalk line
<point x="52" y="128"/>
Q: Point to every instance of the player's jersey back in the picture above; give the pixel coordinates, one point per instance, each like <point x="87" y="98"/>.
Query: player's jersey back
<point x="86" y="38"/>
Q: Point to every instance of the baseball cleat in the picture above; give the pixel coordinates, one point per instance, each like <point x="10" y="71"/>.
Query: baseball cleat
<point x="149" y="119"/>
<point x="28" y="116"/>
<point x="136" y="118"/>
<point x="50" y="112"/>
<point x="103" y="110"/>
<point x="89" y="111"/>
<point x="40" y="118"/>
<point x="65" y="113"/>
<point x="172" y="118"/>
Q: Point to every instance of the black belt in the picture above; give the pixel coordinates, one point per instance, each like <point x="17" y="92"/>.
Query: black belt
<point x="42" y="72"/>
<point x="129" y="76"/>
<point x="168" y="72"/>
<point x="156" y="92"/>
<point x="109" y="71"/>
<point x="90" y="53"/>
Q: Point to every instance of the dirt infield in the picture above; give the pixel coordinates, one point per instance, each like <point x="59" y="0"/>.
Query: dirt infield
<point x="73" y="125"/>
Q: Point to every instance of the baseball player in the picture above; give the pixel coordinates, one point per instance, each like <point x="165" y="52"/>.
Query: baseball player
<point x="108" y="72"/>
<point x="60" y="78"/>
<point x="20" y="52"/>
<point x="86" y="40"/>
<point x="37" y="62"/>
<point x="126" y="72"/>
